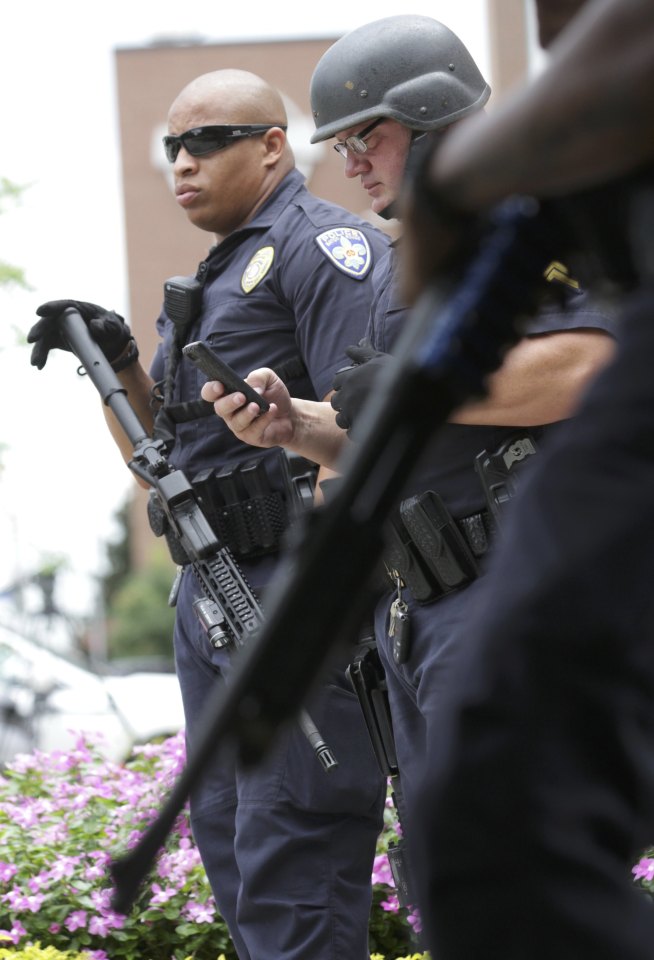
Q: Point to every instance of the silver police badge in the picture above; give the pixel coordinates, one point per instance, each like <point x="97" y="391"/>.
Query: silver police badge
<point x="348" y="248"/>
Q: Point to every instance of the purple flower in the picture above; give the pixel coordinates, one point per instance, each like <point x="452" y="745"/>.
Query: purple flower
<point x="24" y="762"/>
<point x="26" y="816"/>
<point x="391" y="904"/>
<point x="644" y="869"/>
<point x="64" y="867"/>
<point x="21" y="902"/>
<point x="7" y="871"/>
<point x="415" y="921"/>
<point x="100" y="855"/>
<point x="16" y="933"/>
<point x="162" y="895"/>
<point x="101" y="899"/>
<point x="75" y="920"/>
<point x="381" y="871"/>
<point x="199" y="912"/>
<point x="38" y="882"/>
<point x="34" y="902"/>
<point x="94" y="872"/>
<point x="100" y="926"/>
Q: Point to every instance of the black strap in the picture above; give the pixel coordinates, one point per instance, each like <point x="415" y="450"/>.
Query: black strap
<point x="164" y="425"/>
<point x="291" y="369"/>
<point x="288" y="370"/>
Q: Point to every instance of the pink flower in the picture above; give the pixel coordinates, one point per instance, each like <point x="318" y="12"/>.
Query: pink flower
<point x="25" y="817"/>
<point x="162" y="895"/>
<point x="99" y="926"/>
<point x="94" y="872"/>
<point x="75" y="920"/>
<point x="7" y="871"/>
<point x="38" y="882"/>
<point x="34" y="902"/>
<point x="391" y="904"/>
<point x="200" y="912"/>
<point x="414" y="921"/>
<point x="64" y="867"/>
<point x="100" y="855"/>
<point x="644" y="869"/>
<point x="101" y="899"/>
<point x="381" y="871"/>
<point x="21" y="902"/>
<point x="16" y="933"/>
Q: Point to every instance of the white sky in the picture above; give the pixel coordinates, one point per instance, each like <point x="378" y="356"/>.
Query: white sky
<point x="61" y="478"/>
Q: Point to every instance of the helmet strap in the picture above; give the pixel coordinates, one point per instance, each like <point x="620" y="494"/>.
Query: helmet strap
<point x="415" y="152"/>
<point x="389" y="212"/>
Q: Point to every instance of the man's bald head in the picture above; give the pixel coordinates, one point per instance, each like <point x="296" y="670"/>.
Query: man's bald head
<point x="235" y="96"/>
<point x="222" y="187"/>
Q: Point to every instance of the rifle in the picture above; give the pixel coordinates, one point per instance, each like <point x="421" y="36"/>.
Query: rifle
<point x="229" y="612"/>
<point x="452" y="343"/>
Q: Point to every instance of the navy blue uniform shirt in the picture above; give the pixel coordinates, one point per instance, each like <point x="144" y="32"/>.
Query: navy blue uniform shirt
<point x="295" y="282"/>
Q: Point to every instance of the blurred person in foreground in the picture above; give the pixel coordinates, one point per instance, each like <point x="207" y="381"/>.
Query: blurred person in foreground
<point x="539" y="789"/>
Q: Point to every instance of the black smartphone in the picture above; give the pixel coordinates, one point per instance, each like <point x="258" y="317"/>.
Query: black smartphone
<point x="216" y="369"/>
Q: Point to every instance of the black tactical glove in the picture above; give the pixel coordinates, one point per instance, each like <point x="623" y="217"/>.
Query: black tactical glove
<point x="354" y="385"/>
<point x="107" y="328"/>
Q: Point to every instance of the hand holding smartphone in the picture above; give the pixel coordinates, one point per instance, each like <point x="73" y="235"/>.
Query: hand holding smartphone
<point x="216" y="369"/>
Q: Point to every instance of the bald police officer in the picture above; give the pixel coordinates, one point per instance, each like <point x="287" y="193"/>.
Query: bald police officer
<point x="288" y="848"/>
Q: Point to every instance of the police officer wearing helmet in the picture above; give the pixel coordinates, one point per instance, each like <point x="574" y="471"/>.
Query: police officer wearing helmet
<point x="410" y="70"/>
<point x="378" y="90"/>
<point x="288" y="848"/>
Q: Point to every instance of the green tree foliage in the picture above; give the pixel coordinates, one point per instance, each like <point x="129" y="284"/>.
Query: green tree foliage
<point x="9" y="274"/>
<point x="118" y="555"/>
<point x="140" y="622"/>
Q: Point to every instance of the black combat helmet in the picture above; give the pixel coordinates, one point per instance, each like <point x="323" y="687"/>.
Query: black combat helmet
<point x="410" y="68"/>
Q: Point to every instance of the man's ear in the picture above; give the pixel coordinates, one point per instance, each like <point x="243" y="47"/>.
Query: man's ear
<point x="275" y="143"/>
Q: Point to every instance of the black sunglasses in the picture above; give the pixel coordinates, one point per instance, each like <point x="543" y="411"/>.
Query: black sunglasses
<point x="202" y="140"/>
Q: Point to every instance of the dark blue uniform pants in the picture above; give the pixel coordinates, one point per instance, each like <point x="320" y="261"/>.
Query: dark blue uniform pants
<point x="416" y="687"/>
<point x="288" y="848"/>
<point x="539" y="793"/>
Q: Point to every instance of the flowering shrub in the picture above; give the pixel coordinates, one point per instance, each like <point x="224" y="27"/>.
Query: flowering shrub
<point x="643" y="872"/>
<point x="64" y="816"/>
<point x="414" y="956"/>
<point x="392" y="930"/>
<point x="36" y="953"/>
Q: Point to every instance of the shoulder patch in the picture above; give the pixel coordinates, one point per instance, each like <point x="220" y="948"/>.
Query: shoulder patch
<point x="257" y="268"/>
<point x="348" y="249"/>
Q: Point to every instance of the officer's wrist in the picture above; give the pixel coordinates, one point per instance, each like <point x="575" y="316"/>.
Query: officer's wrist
<point x="125" y="359"/>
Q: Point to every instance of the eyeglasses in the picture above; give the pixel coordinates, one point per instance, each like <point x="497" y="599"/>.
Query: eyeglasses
<point x="357" y="142"/>
<point x="202" y="140"/>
